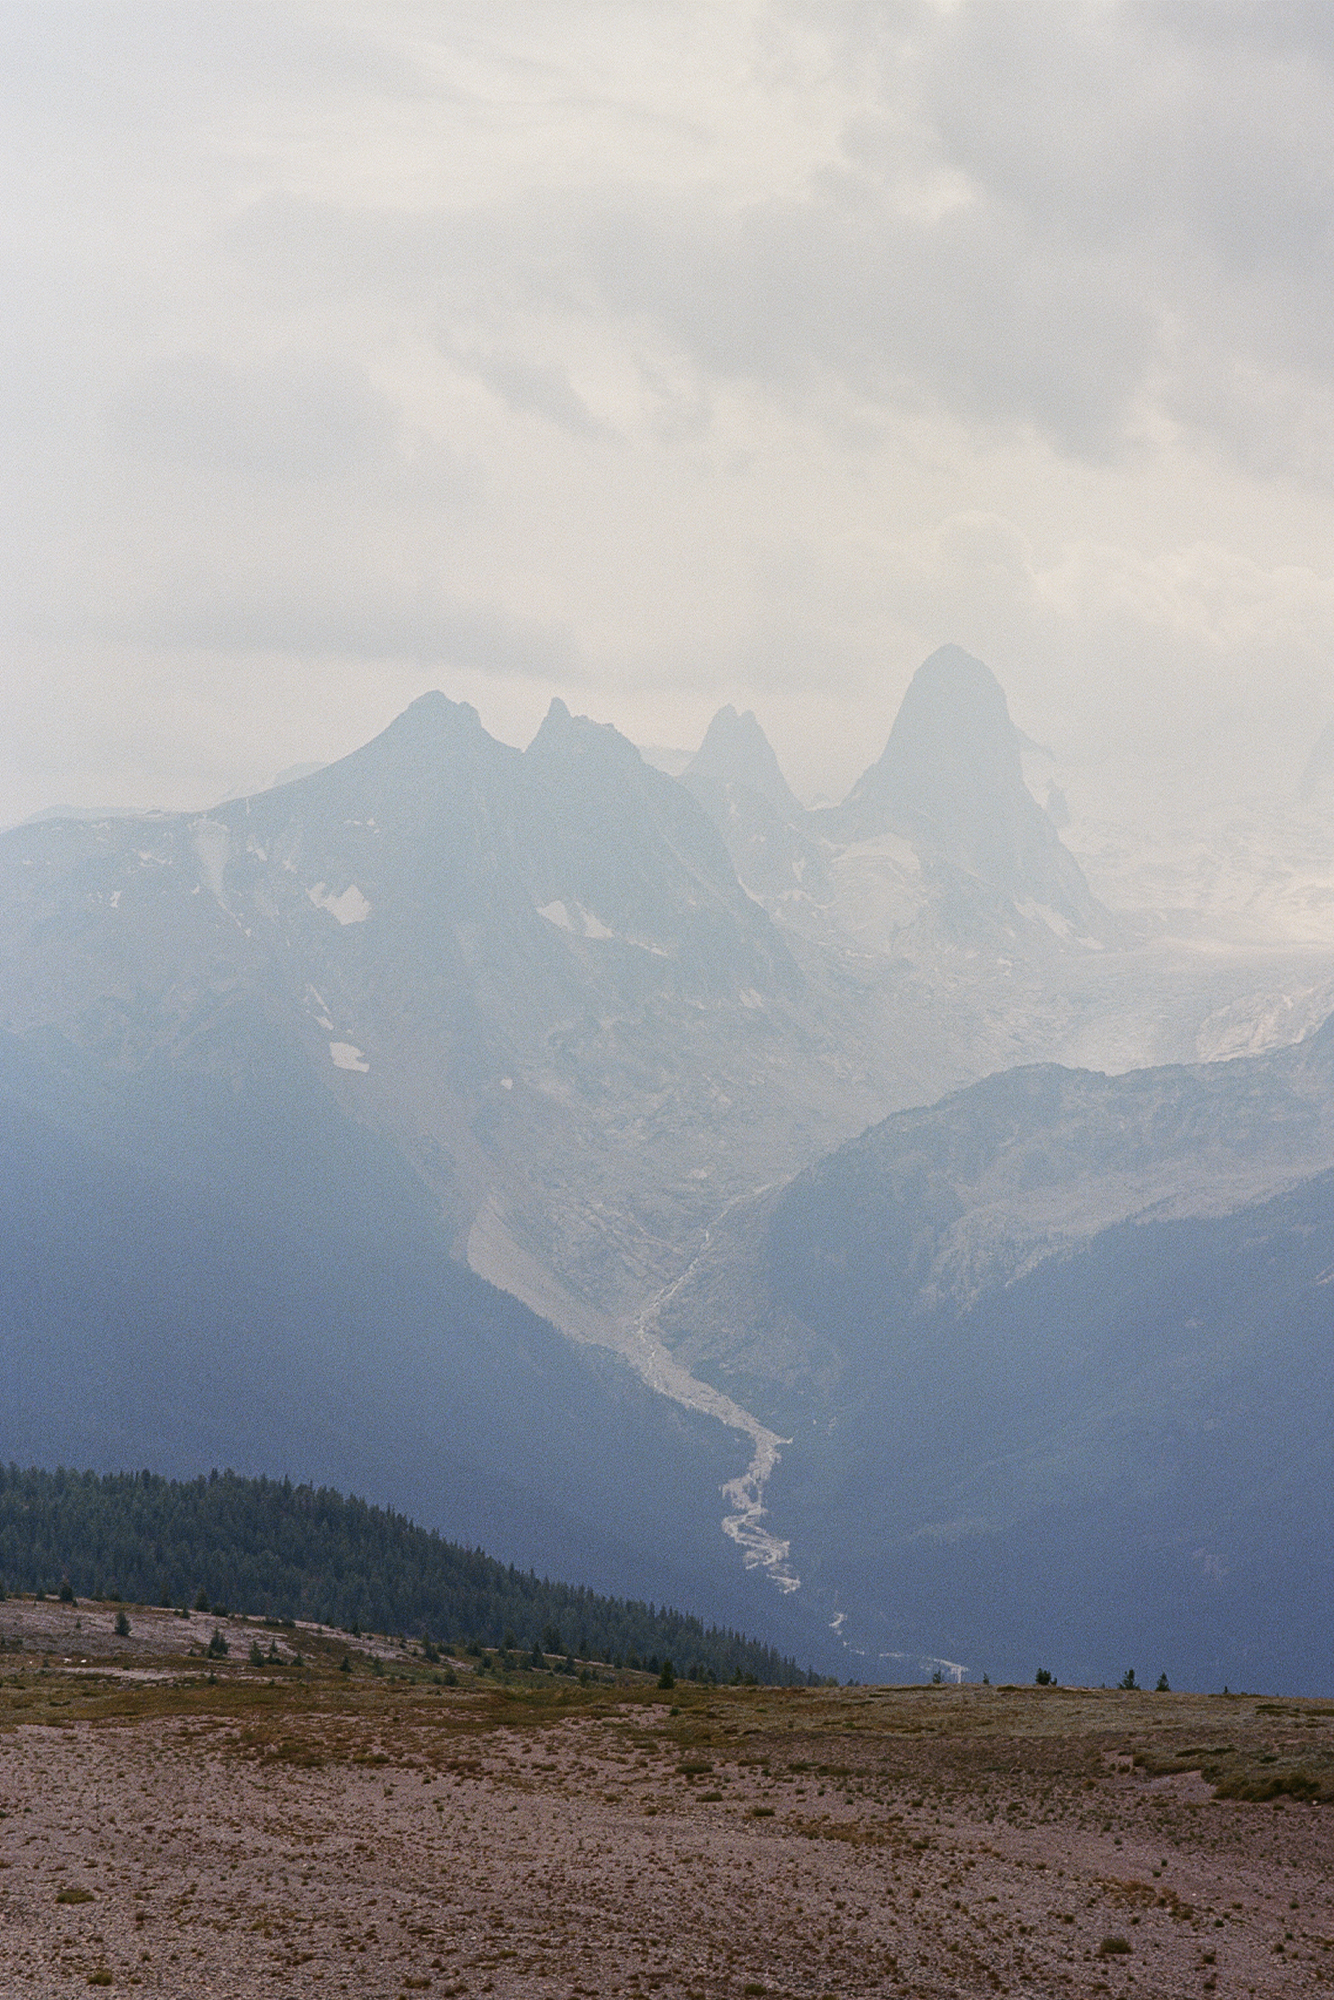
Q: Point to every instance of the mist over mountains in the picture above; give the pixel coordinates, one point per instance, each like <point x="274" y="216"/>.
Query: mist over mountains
<point x="525" y="1139"/>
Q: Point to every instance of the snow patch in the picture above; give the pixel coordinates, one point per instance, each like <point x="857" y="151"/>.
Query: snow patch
<point x="351" y="907"/>
<point x="346" y="1055"/>
<point x="575" y="919"/>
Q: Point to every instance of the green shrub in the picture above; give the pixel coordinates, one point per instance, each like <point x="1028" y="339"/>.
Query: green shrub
<point x="122" y="1626"/>
<point x="217" y="1645"/>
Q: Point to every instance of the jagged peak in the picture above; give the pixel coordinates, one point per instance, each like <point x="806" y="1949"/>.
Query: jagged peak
<point x="434" y="711"/>
<point x="952" y="733"/>
<point x="565" y="735"/>
<point x="951" y="778"/>
<point x="736" y="751"/>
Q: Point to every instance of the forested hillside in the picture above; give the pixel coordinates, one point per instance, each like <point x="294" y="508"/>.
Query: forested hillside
<point x="265" y="1546"/>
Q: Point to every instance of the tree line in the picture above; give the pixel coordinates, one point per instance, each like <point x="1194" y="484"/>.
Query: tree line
<point x="272" y="1549"/>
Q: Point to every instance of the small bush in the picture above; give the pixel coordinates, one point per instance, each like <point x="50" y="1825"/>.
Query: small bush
<point x="122" y="1627"/>
<point x="256" y="1655"/>
<point x="217" y="1645"/>
<point x="1162" y="1685"/>
<point x="667" y="1678"/>
<point x="1114" y="1947"/>
<point x="1044" y="1678"/>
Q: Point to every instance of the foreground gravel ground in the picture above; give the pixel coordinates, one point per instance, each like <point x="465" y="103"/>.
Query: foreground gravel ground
<point x="296" y="1830"/>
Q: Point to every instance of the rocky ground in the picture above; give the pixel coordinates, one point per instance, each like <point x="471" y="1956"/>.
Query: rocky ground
<point x="202" y="1825"/>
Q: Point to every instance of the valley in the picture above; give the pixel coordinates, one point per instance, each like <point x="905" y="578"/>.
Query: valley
<point x="538" y="1138"/>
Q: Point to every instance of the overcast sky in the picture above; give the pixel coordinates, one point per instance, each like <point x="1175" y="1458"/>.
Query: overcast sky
<point x="661" y="355"/>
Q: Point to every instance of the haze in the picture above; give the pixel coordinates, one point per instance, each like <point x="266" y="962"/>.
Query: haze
<point x="661" y="356"/>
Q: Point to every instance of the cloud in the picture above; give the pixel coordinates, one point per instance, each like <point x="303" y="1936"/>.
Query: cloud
<point x="529" y="387"/>
<point x="739" y="354"/>
<point x="295" y="418"/>
<point x="356" y="620"/>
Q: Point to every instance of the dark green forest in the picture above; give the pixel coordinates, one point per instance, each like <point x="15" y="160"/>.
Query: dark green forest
<point x="275" y="1550"/>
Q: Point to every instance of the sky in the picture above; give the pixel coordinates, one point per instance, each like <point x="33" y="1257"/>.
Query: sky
<point x="659" y="356"/>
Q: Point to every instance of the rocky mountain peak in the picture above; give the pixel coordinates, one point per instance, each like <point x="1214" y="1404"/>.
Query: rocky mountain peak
<point x="952" y="760"/>
<point x="951" y="779"/>
<point x="736" y="751"/>
<point x="564" y="736"/>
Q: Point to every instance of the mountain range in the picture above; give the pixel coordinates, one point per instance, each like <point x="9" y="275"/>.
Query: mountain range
<point x="479" y="1128"/>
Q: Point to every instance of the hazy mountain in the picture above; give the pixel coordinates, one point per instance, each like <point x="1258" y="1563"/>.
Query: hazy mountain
<point x="562" y="1019"/>
<point x="1052" y="1354"/>
<point x="736" y="779"/>
<point x="736" y="751"/>
<point x="535" y="972"/>
<point x="950" y="782"/>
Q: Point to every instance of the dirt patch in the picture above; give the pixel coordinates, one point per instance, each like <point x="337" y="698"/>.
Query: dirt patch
<point x="321" y="1831"/>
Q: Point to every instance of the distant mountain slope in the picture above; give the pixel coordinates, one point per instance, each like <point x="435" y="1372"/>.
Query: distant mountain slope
<point x="201" y="1272"/>
<point x="534" y="973"/>
<point x="267" y="1547"/>
<point x="1056" y="1356"/>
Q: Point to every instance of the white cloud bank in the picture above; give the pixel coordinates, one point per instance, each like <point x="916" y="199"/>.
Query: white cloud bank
<point x="662" y="355"/>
